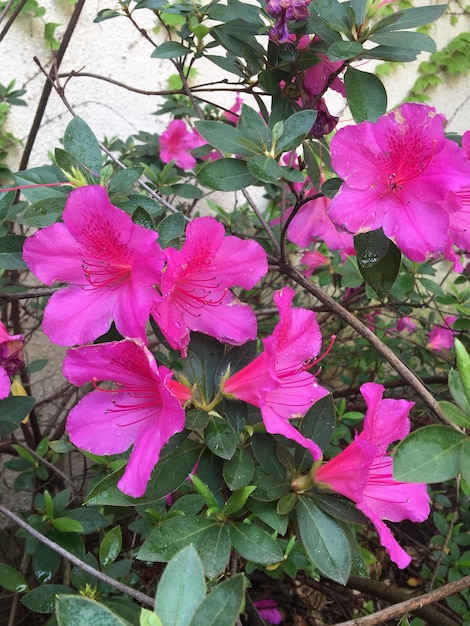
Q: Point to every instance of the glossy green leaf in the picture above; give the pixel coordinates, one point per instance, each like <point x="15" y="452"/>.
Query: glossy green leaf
<point x="172" y="535"/>
<point x="181" y="588"/>
<point x="264" y="168"/>
<point x="80" y="141"/>
<point x="221" y="438"/>
<point x="74" y="609"/>
<point x="463" y="366"/>
<point x="67" y="525"/>
<point x="367" y="98"/>
<point x="223" y="604"/>
<point x="334" y="13"/>
<point x="42" y="599"/>
<point x="411" y="18"/>
<point x="6" y="200"/>
<point x="71" y="165"/>
<point x="124" y="180"/>
<point x="214" y="550"/>
<point x="255" y="544"/>
<point x="339" y="508"/>
<point x="13" y="410"/>
<point x="428" y="455"/>
<point x="225" y="175"/>
<point x="331" y="187"/>
<point x="170" y="228"/>
<point x="238" y="471"/>
<point x="44" y="174"/>
<point x="46" y="562"/>
<point x="267" y="512"/>
<point x="407" y="40"/>
<point x="11" y="252"/>
<point x="252" y="126"/>
<point x="170" y="50"/>
<point x="344" y="50"/>
<point x="204" y="491"/>
<point x="237" y="500"/>
<point x="296" y="128"/>
<point x="324" y="541"/>
<point x="359" y="7"/>
<point x="465" y="461"/>
<point x="43" y="212"/>
<point x="378" y="259"/>
<point x="390" y="53"/>
<point x="143" y="218"/>
<point x="455" y="414"/>
<point x="110" y="546"/>
<point x="222" y="137"/>
<point x="12" y="580"/>
<point x="201" y="365"/>
<point x="168" y="475"/>
<point x="318" y="424"/>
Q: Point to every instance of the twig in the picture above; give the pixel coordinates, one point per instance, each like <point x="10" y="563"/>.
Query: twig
<point x="411" y="606"/>
<point x="264" y="223"/>
<point x="137" y="595"/>
<point x="388" y="354"/>
<point x="13" y="17"/>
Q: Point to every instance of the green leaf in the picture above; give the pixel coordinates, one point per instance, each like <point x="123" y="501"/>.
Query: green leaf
<point x="12" y="580"/>
<point x="43" y="212"/>
<point x="430" y="455"/>
<point x="238" y="471"/>
<point x="318" y="424"/>
<point x="42" y="599"/>
<point x="296" y="128"/>
<point x="359" y="8"/>
<point x="67" y="525"/>
<point x="409" y="41"/>
<point x="46" y="562"/>
<point x="335" y="14"/>
<point x="13" y="411"/>
<point x="344" y="50"/>
<point x="463" y="366"/>
<point x="237" y="500"/>
<point x="455" y="414"/>
<point x="255" y="544"/>
<point x="80" y="141"/>
<point x="143" y="218"/>
<point x="366" y="95"/>
<point x="170" y="50"/>
<point x="149" y="618"/>
<point x="181" y="588"/>
<point x="221" y="438"/>
<point x="170" y="472"/>
<point x="378" y="259"/>
<point x="252" y="126"/>
<point x="38" y="176"/>
<point x="172" y="535"/>
<point x="11" y="252"/>
<point x="124" y="180"/>
<point x="170" y="228"/>
<point x="264" y="168"/>
<point x="223" y="604"/>
<point x="6" y="200"/>
<point x="389" y="53"/>
<point x="74" y="609"/>
<point x="222" y="137"/>
<point x="67" y="163"/>
<point x="411" y="18"/>
<point x="110" y="546"/>
<point x="457" y="391"/>
<point x="267" y="512"/>
<point x="204" y="491"/>
<point x="324" y="541"/>
<point x="465" y="461"/>
<point x="202" y="363"/>
<point x="225" y="175"/>
<point x="214" y="550"/>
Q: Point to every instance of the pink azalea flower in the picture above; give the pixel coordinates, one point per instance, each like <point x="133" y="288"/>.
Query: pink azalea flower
<point x="441" y="338"/>
<point x="405" y="323"/>
<point x="363" y="471"/>
<point x="313" y="260"/>
<point x="196" y="286"/>
<point x="277" y="381"/>
<point x="459" y="218"/>
<point x="11" y="358"/>
<point x="111" y="264"/>
<point x="397" y="175"/>
<point x="138" y="409"/>
<point x="268" y="610"/>
<point x="177" y="142"/>
<point x="232" y="114"/>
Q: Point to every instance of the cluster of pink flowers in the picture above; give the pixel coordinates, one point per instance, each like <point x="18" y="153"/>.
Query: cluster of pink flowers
<point x="11" y="358"/>
<point x="403" y="175"/>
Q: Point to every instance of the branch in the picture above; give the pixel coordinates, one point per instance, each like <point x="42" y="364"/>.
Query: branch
<point x="137" y="595"/>
<point x="414" y="605"/>
<point x="397" y="364"/>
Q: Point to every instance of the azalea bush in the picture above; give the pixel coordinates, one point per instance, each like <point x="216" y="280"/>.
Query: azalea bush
<point x="262" y="382"/>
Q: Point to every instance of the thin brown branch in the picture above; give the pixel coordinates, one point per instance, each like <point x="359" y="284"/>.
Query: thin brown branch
<point x="137" y="595"/>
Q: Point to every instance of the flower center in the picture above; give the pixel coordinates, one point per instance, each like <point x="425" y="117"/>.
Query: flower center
<point x="406" y="158"/>
<point x="193" y="294"/>
<point x="142" y="398"/>
<point x="103" y="273"/>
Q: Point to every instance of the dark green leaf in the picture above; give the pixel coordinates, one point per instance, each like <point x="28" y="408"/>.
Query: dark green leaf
<point x="124" y="180"/>
<point x="238" y="471"/>
<point x="13" y="410"/>
<point x="43" y="212"/>
<point x="42" y="599"/>
<point x="410" y="41"/>
<point x="38" y="176"/>
<point x="181" y="588"/>
<point x="237" y="500"/>
<point x="170" y="228"/>
<point x="366" y="95"/>
<point x="378" y="259"/>
<point x="170" y="50"/>
<point x="143" y="218"/>
<point x="221" y="438"/>
<point x="223" y="604"/>
<point x="80" y="141"/>
<point x="267" y="512"/>
<point x="74" y="609"/>
<point x="344" y="50"/>
<point x="331" y="187"/>
<point x="411" y="18"/>
<point x="334" y="13"/>
<point x="465" y="461"/>
<point x="255" y="544"/>
<point x="70" y="164"/>
<point x="204" y="356"/>
<point x="359" y="8"/>
<point x="45" y="563"/>
<point x="388" y="53"/>
<point x="225" y="175"/>
<point x="12" y="580"/>
<point x="296" y="128"/>
<point x="455" y="414"/>
<point x="318" y="424"/>
<point x="252" y="126"/>
<point x="222" y="136"/>
<point x="457" y="390"/>
<point x="110" y="546"/>
<point x="324" y="541"/>
<point x="6" y="200"/>
<point x="11" y="252"/>
<point x="214" y="550"/>
<point x="339" y="508"/>
<point x="264" y="168"/>
<point x="172" y="535"/>
<point x="428" y="455"/>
